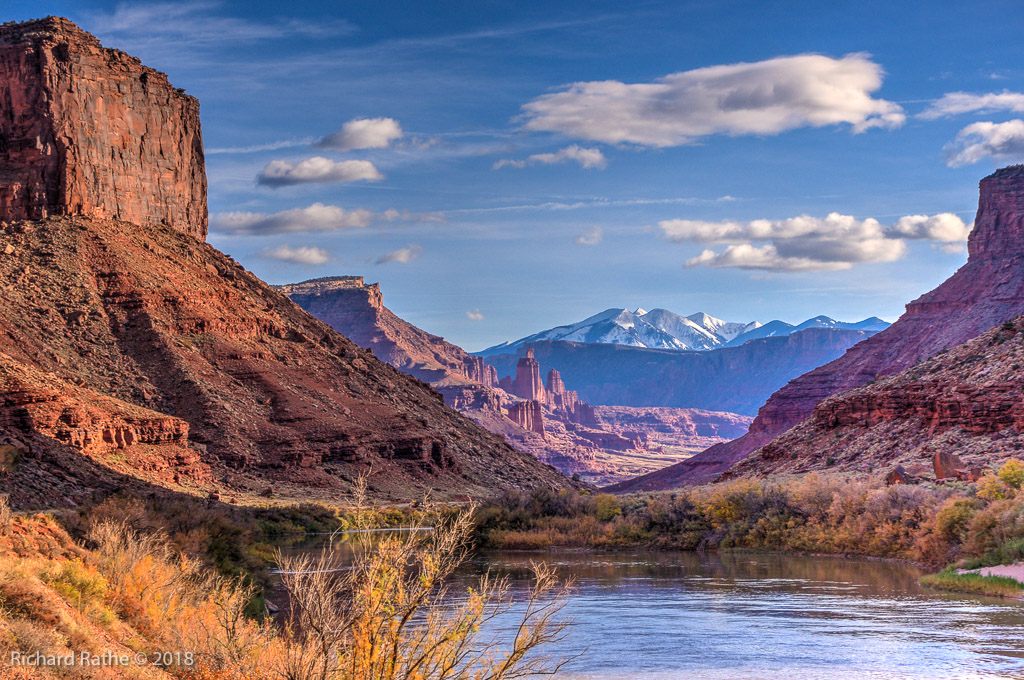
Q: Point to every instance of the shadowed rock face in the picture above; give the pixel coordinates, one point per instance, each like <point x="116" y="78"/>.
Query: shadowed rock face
<point x="986" y="291"/>
<point x="86" y="130"/>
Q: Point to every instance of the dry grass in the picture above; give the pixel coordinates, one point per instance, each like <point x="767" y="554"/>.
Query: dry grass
<point x="386" y="616"/>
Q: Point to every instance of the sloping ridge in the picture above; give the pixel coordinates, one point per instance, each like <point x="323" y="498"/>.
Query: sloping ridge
<point x="986" y="291"/>
<point x="152" y="317"/>
<point x="357" y="309"/>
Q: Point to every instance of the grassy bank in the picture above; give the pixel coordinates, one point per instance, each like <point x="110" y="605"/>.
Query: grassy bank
<point x="976" y="584"/>
<point x="935" y="524"/>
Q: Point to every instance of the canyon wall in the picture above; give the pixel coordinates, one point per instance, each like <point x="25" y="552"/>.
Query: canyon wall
<point x="87" y="130"/>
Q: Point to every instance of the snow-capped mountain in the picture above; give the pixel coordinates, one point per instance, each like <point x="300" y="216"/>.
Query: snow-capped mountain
<point x="777" y="327"/>
<point x="662" y="329"/>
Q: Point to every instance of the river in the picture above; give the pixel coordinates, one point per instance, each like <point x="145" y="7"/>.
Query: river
<point x="748" y="616"/>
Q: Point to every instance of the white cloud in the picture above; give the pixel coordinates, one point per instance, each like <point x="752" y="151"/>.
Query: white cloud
<point x="363" y="133"/>
<point x="402" y="255"/>
<point x="587" y="158"/>
<point x="767" y="257"/>
<point x="317" y="170"/>
<point x="297" y="255"/>
<point x="591" y="237"/>
<point x="766" y="97"/>
<point x="808" y="243"/>
<point x="943" y="227"/>
<point x="475" y="315"/>
<point x="317" y="217"/>
<point x="977" y="141"/>
<point x="954" y="103"/>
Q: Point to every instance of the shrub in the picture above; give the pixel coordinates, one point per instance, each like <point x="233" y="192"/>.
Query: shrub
<point x="992" y="488"/>
<point x="607" y="507"/>
<point x="1012" y="473"/>
<point x="388" y="616"/>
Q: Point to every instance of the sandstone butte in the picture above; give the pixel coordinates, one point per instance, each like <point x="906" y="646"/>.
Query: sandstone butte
<point x="545" y="420"/>
<point x="133" y="355"/>
<point x="988" y="290"/>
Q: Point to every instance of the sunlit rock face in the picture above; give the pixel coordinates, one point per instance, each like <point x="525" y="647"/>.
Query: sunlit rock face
<point x="91" y="131"/>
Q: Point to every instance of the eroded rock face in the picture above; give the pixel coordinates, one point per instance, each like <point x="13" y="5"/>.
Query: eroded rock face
<point x="356" y="309"/>
<point x="986" y="291"/>
<point x="40" y="412"/>
<point x="91" y="131"/>
<point x="527" y="415"/>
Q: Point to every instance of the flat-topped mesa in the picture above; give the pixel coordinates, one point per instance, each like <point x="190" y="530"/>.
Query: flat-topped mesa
<point x="90" y="131"/>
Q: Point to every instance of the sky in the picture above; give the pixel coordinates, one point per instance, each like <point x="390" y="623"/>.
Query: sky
<point x="505" y="167"/>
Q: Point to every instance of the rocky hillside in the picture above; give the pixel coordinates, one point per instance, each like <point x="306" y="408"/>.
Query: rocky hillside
<point x="968" y="400"/>
<point x="132" y="353"/>
<point x="985" y="292"/>
<point x="734" y="379"/>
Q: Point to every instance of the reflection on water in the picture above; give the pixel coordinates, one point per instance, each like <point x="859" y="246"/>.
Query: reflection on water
<point x="661" y="616"/>
<point x="726" y="616"/>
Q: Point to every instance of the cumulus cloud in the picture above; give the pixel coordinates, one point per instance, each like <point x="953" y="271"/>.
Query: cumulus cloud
<point x="943" y="227"/>
<point x="808" y="243"/>
<point x="954" y="103"/>
<point x="317" y="217"/>
<point x="765" y="97"/>
<point x="767" y="257"/>
<point x="474" y="315"/>
<point x="587" y="158"/>
<point x="363" y="133"/>
<point x="316" y="170"/>
<point x="591" y="237"/>
<point x="297" y="255"/>
<point x="402" y="255"/>
<point x="977" y="141"/>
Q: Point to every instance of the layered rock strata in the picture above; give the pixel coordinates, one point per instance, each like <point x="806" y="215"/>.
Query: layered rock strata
<point x="87" y="130"/>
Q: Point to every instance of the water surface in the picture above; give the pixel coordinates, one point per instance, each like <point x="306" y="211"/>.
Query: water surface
<point x="747" y="616"/>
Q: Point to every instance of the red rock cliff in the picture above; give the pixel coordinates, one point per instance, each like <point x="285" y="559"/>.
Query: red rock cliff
<point x="986" y="291"/>
<point x="86" y="130"/>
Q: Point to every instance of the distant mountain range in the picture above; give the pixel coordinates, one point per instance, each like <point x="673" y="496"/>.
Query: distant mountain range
<point x="662" y="329"/>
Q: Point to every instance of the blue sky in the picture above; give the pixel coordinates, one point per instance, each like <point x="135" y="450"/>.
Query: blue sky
<point x="503" y="167"/>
